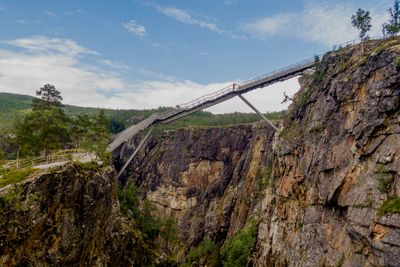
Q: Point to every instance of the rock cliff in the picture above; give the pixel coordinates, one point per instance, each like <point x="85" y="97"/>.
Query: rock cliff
<point x="210" y="180"/>
<point x="338" y="166"/>
<point x="325" y="188"/>
<point x="68" y="217"/>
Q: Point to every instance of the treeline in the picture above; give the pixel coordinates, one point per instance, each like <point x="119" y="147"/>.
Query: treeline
<point x="47" y="128"/>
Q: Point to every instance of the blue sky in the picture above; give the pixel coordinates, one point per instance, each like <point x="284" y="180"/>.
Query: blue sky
<point x="144" y="54"/>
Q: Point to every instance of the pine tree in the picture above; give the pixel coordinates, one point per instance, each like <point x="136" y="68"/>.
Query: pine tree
<point x="49" y="97"/>
<point x="45" y="128"/>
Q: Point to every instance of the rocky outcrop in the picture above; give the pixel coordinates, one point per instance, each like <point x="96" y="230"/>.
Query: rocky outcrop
<point x="67" y="218"/>
<point x="210" y="180"/>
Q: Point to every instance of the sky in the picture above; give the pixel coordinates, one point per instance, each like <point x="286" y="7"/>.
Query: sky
<point x="142" y="54"/>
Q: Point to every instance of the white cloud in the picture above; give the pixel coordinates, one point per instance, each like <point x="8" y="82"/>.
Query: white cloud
<point x="114" y="65"/>
<point x="324" y="23"/>
<point x="2" y="8"/>
<point x="133" y="27"/>
<point x="25" y="71"/>
<point x="230" y="2"/>
<point x="185" y="17"/>
<point x="51" y="14"/>
<point x="204" y="53"/>
<point x="50" y="45"/>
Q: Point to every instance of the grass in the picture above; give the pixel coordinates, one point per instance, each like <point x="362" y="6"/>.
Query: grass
<point x="397" y="62"/>
<point x="293" y="133"/>
<point x="317" y="129"/>
<point x="14" y="176"/>
<point x="392" y="205"/>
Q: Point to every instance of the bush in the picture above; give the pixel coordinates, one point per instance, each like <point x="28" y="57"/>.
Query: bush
<point x="205" y="248"/>
<point x="237" y="249"/>
<point x="391" y="205"/>
<point x="143" y="215"/>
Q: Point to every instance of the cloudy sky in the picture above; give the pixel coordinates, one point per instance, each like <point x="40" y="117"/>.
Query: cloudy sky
<point x="145" y="54"/>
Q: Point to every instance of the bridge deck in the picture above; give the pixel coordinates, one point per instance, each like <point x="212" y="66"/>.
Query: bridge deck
<point x="213" y="99"/>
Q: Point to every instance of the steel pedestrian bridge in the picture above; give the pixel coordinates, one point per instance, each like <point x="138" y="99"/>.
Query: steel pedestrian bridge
<point x="212" y="99"/>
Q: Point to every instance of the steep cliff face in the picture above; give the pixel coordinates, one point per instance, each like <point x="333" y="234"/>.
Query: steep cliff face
<point x="337" y="162"/>
<point x="326" y="186"/>
<point x="210" y="180"/>
<point x="67" y="217"/>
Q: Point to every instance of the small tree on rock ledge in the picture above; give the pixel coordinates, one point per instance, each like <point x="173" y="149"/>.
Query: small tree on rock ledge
<point x="362" y="21"/>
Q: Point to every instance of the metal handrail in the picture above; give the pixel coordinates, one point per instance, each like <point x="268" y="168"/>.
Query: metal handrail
<point x="260" y="79"/>
<point x="237" y="88"/>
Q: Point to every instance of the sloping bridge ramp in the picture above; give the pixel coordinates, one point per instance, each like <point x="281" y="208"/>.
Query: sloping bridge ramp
<point x="215" y="98"/>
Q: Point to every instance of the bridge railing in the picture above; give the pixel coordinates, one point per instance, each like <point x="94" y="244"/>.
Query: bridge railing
<point x="254" y="81"/>
<point x="280" y="72"/>
<point x="235" y="88"/>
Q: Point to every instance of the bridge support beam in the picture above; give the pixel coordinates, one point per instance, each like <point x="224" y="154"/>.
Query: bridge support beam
<point x="135" y="152"/>
<point x="257" y="111"/>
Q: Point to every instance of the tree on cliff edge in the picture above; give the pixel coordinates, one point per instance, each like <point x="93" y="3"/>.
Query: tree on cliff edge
<point x="392" y="28"/>
<point x="362" y="21"/>
<point x="44" y="128"/>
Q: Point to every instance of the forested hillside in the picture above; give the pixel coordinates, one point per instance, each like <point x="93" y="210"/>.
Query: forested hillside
<point x="13" y="103"/>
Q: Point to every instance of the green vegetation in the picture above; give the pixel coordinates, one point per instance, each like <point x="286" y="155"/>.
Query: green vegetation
<point x="236" y="250"/>
<point x="142" y="213"/>
<point x="397" y="62"/>
<point x="206" y="248"/>
<point x="362" y="21"/>
<point x="385" y="179"/>
<point x="263" y="178"/>
<point x="385" y="182"/>
<point x="14" y="176"/>
<point x="10" y="103"/>
<point x="47" y="127"/>
<point x="292" y="133"/>
<point x="13" y="196"/>
<point x="318" y="75"/>
<point x="392" y="205"/>
<point x="120" y="119"/>
<point x="317" y="129"/>
<point x="392" y="27"/>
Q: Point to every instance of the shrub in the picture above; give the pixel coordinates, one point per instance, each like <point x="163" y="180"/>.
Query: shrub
<point x="385" y="182"/>
<point x="391" y="205"/>
<point x="205" y="248"/>
<point x="318" y="75"/>
<point x="129" y="198"/>
<point x="237" y="249"/>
